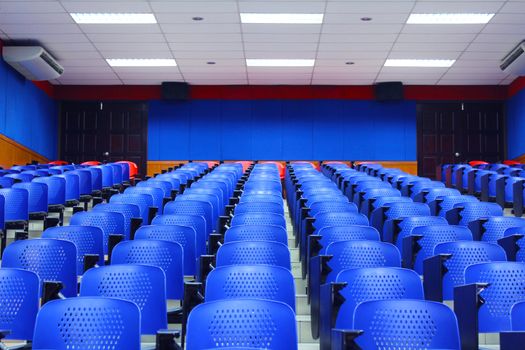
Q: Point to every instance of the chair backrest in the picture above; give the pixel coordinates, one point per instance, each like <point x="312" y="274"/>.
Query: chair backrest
<point x="56" y="189"/>
<point x="517" y="316"/>
<point x="85" y="181"/>
<point x="156" y="193"/>
<point x="37" y="196"/>
<point x="258" y="219"/>
<point x="259" y="207"/>
<point x="254" y="253"/>
<point x="331" y="206"/>
<point x="254" y="323"/>
<point x="507" y="286"/>
<point x="406" y="324"/>
<point x="6" y="182"/>
<point x="143" y="201"/>
<point x="432" y="235"/>
<point x="129" y="211"/>
<point x="19" y="302"/>
<point x="109" y="222"/>
<point x="376" y="283"/>
<point x="183" y="235"/>
<point x="251" y="281"/>
<point x="50" y="259"/>
<point x="474" y="210"/>
<point x="165" y="186"/>
<point x="96" y="177"/>
<point x="16" y="205"/>
<point x="464" y="254"/>
<point x="331" y="234"/>
<point x="61" y="324"/>
<point x="167" y="255"/>
<point x="256" y="232"/>
<point x="145" y="285"/>
<point x="326" y="219"/>
<point x="87" y="239"/>
<point x="406" y="225"/>
<point x="356" y="254"/>
<point x="495" y="226"/>
<point x="194" y="221"/>
<point x="247" y="198"/>
<point x="192" y="207"/>
<point x="72" y="185"/>
<point x="437" y="192"/>
<point x="448" y="202"/>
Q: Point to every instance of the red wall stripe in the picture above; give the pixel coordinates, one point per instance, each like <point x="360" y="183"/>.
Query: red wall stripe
<point x="516" y="86"/>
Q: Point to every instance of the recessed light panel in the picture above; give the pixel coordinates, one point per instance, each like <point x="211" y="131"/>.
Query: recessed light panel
<point x="280" y="63"/>
<point x="141" y="62"/>
<point x="114" y="18"/>
<point x="449" y="18"/>
<point x="419" y="63"/>
<point x="282" y="18"/>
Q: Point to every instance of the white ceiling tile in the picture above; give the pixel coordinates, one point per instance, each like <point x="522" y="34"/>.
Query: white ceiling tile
<point x="230" y="75"/>
<point x="107" y="6"/>
<point x="209" y="46"/>
<point x="220" y="62"/>
<point x="201" y="28"/>
<point x="35" y="18"/>
<point x="351" y="56"/>
<point x="30" y="7"/>
<point x="126" y="38"/>
<point x="505" y="29"/>
<point x="138" y="53"/>
<point x="422" y="55"/>
<point x="429" y="46"/>
<point x="40" y="28"/>
<point x="203" y="38"/>
<point x="368" y="62"/>
<point x="217" y="68"/>
<point x="358" y="38"/>
<point x="280" y="38"/>
<point x="435" y="38"/>
<point x="194" y="7"/>
<point x="482" y="55"/>
<point x="70" y="47"/>
<point x="496" y="47"/>
<point x="208" y="55"/>
<point x="499" y="38"/>
<point x="364" y="28"/>
<point x="121" y="28"/>
<point x="285" y="55"/>
<point x="442" y="29"/>
<point x="281" y="28"/>
<point x="64" y="55"/>
<point x="457" y="6"/>
<point x="355" y="18"/>
<point x="50" y="38"/>
<point x="187" y="18"/>
<point x="348" y="69"/>
<point x="134" y="47"/>
<point x="508" y="18"/>
<point x="351" y="47"/>
<point x="70" y="75"/>
<point x="282" y="6"/>
<point x="279" y="47"/>
<point x="319" y="75"/>
<point x="369" y="7"/>
<point x="513" y="7"/>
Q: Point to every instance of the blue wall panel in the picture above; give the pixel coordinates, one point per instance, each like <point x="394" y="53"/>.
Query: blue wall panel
<point x="282" y="129"/>
<point x="27" y="114"/>
<point x="516" y="125"/>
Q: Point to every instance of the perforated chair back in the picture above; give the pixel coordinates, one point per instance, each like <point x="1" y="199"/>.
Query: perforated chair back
<point x="258" y="219"/>
<point x="183" y="235"/>
<point x="194" y="221"/>
<point x="22" y="177"/>
<point x="247" y="198"/>
<point x="167" y="255"/>
<point x="212" y="197"/>
<point x="251" y="281"/>
<point x="19" y="302"/>
<point x="434" y="193"/>
<point x="448" y="202"/>
<point x="85" y="181"/>
<point x="37" y="196"/>
<point x="143" y="201"/>
<point x="517" y="316"/>
<point x="331" y="234"/>
<point x="72" y="185"/>
<point x="16" y="204"/>
<point x="376" y="283"/>
<point x="406" y="324"/>
<point x="145" y="285"/>
<point x="56" y="189"/>
<point x="507" y="286"/>
<point x="472" y="211"/>
<point x="263" y="185"/>
<point x="495" y="226"/>
<point x="156" y="193"/>
<point x="165" y="186"/>
<point x="259" y="207"/>
<point x="432" y="235"/>
<point x="464" y="254"/>
<point x="61" y="324"/>
<point x="6" y="182"/>
<point x="330" y="206"/>
<point x="192" y="207"/>
<point x="254" y="253"/>
<point x="256" y="323"/>
<point x="358" y="253"/>
<point x="256" y="232"/>
<point x="129" y="211"/>
<point x="110" y="223"/>
<point x="405" y="225"/>
<point x="326" y="219"/>
<point x="50" y="259"/>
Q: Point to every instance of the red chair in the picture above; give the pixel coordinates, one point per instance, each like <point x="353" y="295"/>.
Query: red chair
<point x="477" y="162"/>
<point x="91" y="163"/>
<point x="58" y="162"/>
<point x="245" y="164"/>
<point x="133" y="168"/>
<point x="511" y="162"/>
<point x="280" y="166"/>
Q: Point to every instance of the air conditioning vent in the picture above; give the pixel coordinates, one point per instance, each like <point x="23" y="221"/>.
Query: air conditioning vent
<point x="33" y="62"/>
<point x="514" y="62"/>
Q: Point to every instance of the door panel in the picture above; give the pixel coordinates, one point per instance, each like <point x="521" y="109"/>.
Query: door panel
<point x="455" y="132"/>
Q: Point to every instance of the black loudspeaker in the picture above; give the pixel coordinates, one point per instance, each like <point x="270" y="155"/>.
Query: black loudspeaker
<point x="175" y="91"/>
<point x="389" y="91"/>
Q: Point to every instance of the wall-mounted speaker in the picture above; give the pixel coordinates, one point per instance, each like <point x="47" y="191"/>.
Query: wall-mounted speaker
<point x="175" y="91"/>
<point x="389" y="91"/>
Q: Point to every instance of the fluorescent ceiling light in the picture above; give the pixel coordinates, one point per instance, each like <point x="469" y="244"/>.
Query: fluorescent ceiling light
<point x="141" y="62"/>
<point x="449" y="18"/>
<point x="279" y="62"/>
<point x="114" y="18"/>
<point x="419" y="63"/>
<point x="282" y="18"/>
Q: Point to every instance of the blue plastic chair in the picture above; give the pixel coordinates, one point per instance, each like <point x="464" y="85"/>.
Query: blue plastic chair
<point x="156" y="193"/>
<point x="256" y="232"/>
<point x="72" y="186"/>
<point x="183" y="235"/>
<point x="143" y="285"/>
<point x="194" y="221"/>
<point x="50" y="259"/>
<point x="325" y="219"/>
<point x="406" y="324"/>
<point x="446" y="203"/>
<point x="56" y="189"/>
<point x="251" y="281"/>
<point x="492" y="228"/>
<point x="96" y="178"/>
<point x="254" y="253"/>
<point x="61" y="324"/>
<point x="166" y="255"/>
<point x="517" y="316"/>
<point x="395" y="230"/>
<point x="197" y="208"/>
<point x="397" y="210"/>
<point x="16" y="204"/>
<point x="506" y="286"/>
<point x="6" y="182"/>
<point x="37" y="200"/>
<point x="471" y="211"/>
<point x="247" y="198"/>
<point x="331" y="206"/>
<point x="433" y="193"/>
<point x="211" y="199"/>
<point x="19" y="302"/>
<point x="173" y="180"/>
<point x="165" y="186"/>
<point x="129" y="211"/>
<point x="87" y="239"/>
<point x="258" y="219"/>
<point x="252" y="323"/>
<point x="330" y="234"/>
<point x="428" y="237"/>
<point x="259" y="207"/>
<point x="143" y="201"/>
<point x="109" y="222"/>
<point x="464" y="254"/>
<point x="22" y="177"/>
